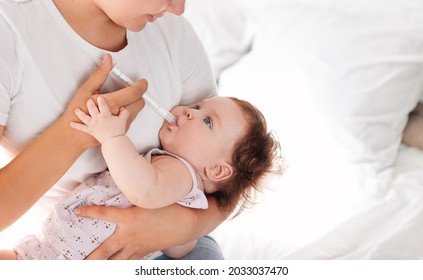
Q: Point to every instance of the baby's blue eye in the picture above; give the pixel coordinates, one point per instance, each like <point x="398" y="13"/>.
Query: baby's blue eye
<point x="208" y="121"/>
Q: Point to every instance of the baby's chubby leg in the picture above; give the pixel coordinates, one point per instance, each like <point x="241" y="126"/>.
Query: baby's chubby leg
<point x="413" y="132"/>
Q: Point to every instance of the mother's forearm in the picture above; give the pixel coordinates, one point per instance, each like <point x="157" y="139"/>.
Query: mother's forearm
<point x="38" y="167"/>
<point x="205" y="221"/>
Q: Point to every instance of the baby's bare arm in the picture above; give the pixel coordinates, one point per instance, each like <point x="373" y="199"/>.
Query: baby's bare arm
<point x="148" y="184"/>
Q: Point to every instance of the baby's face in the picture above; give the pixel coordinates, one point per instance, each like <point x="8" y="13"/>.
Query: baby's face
<point x="205" y="133"/>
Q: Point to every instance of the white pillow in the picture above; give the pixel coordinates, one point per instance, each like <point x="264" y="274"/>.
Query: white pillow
<point x="368" y="72"/>
<point x="225" y="28"/>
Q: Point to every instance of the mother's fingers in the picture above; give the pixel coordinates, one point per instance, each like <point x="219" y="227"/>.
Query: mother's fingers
<point x="125" y="242"/>
<point x="106" y="250"/>
<point x="113" y="244"/>
<point x="126" y="96"/>
<point x="98" y="212"/>
<point x="100" y="75"/>
<point x="125" y="254"/>
<point x="133" y="109"/>
<point x="136" y="92"/>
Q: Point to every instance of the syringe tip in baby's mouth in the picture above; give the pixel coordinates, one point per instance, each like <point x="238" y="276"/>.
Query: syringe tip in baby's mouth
<point x="147" y="98"/>
<point x="170" y="118"/>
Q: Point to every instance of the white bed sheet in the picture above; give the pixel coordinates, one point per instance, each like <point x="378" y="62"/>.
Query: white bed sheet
<point x="327" y="225"/>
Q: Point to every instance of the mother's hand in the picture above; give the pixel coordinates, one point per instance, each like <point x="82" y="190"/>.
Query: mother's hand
<point x="128" y="97"/>
<point x="58" y="147"/>
<point x="140" y="232"/>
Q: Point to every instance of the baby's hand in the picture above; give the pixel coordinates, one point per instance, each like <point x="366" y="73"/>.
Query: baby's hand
<point x="100" y="122"/>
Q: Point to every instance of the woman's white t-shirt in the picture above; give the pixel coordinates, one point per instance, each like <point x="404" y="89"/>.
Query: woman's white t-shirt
<point x="43" y="62"/>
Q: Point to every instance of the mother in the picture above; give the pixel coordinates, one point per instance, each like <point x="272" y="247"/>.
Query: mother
<point x="47" y="49"/>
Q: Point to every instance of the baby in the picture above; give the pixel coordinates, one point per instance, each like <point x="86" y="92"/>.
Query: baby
<point x="220" y="148"/>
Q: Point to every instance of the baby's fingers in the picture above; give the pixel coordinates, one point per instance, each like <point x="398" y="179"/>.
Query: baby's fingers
<point x="92" y="108"/>
<point x="102" y="106"/>
<point x="124" y="113"/>
<point x="82" y="116"/>
<point x="79" y="126"/>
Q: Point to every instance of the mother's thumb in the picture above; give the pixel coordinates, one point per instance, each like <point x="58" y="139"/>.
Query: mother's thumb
<point x="100" y="75"/>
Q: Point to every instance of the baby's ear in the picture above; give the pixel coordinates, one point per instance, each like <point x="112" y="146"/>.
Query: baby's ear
<point x="219" y="172"/>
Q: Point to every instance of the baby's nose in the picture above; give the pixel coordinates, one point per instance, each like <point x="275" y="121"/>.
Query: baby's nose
<point x="188" y="113"/>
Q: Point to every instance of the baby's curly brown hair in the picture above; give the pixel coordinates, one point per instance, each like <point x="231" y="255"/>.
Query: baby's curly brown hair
<point x="256" y="155"/>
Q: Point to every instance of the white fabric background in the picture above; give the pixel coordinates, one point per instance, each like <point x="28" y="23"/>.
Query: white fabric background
<point x="336" y="80"/>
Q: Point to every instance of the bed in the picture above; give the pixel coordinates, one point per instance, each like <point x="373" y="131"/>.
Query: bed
<point x="336" y="81"/>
